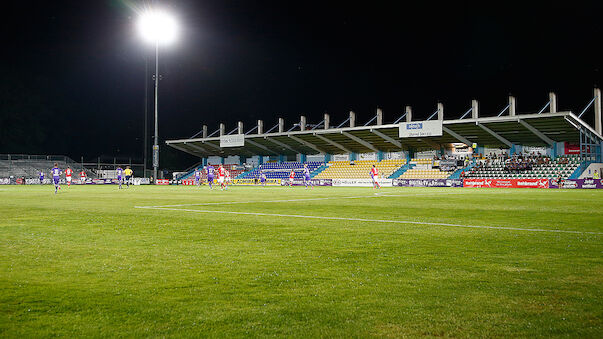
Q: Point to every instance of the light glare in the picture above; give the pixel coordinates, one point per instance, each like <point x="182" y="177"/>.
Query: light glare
<point x="158" y="27"/>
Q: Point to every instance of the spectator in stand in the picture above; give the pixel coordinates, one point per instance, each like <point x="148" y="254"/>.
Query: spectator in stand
<point x="596" y="175"/>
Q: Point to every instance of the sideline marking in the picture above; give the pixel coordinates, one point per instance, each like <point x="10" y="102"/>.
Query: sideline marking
<point x="373" y="220"/>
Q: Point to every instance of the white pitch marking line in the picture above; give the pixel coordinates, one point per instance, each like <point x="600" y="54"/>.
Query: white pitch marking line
<point x="373" y="220"/>
<point x="304" y="199"/>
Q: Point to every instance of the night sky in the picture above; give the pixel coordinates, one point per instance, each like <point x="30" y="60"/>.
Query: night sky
<point x="73" y="72"/>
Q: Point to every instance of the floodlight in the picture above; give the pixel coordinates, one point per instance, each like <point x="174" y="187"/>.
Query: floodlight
<point x="158" y="27"/>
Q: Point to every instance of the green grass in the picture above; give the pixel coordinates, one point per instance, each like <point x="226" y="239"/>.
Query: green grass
<point x="87" y="263"/>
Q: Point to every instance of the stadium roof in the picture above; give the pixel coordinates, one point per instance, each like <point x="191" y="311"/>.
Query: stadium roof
<point x="525" y="129"/>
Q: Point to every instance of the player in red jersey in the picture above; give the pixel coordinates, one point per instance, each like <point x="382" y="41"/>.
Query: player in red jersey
<point x="221" y="175"/>
<point x="375" y="176"/>
<point x="291" y="177"/>
<point x="83" y="177"/>
<point x="68" y="173"/>
<point x="227" y="178"/>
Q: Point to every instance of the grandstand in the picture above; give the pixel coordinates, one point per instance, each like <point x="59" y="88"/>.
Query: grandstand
<point x="535" y="168"/>
<point x="275" y="170"/>
<point x="359" y="169"/>
<point x="566" y="144"/>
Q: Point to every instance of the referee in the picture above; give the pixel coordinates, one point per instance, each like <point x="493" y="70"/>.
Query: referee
<point x="128" y="174"/>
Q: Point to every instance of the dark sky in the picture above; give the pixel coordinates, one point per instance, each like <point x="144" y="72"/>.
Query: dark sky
<point x="73" y="72"/>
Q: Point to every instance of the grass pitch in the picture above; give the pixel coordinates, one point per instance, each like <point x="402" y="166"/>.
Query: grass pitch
<point x="454" y="263"/>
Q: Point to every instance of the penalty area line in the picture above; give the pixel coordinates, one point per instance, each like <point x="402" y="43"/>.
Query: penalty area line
<point x="505" y="228"/>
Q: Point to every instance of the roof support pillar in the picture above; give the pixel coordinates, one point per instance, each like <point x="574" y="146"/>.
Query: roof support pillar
<point x="512" y="106"/>
<point x="260" y="127"/>
<point x="440" y="111"/>
<point x="474" y="109"/>
<point x="302" y="123"/>
<point x="327" y="121"/>
<point x="204" y="133"/>
<point x="553" y="100"/>
<point x="240" y="128"/>
<point x="379" y="116"/>
<point x="352" y="119"/>
<point x="408" y="110"/>
<point x="222" y="129"/>
<point x="281" y="125"/>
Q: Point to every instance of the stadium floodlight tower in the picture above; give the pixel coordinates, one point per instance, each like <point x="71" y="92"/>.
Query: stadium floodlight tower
<point x="157" y="27"/>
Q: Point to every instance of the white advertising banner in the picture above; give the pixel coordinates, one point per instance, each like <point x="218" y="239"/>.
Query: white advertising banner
<point x="235" y="140"/>
<point x="419" y="129"/>
<point x="367" y="156"/>
<point x="362" y="182"/>
<point x="341" y="157"/>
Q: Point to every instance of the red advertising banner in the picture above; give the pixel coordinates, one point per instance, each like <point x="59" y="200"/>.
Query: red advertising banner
<point x="509" y="183"/>
<point x="188" y="182"/>
<point x="162" y="182"/>
<point x="571" y="148"/>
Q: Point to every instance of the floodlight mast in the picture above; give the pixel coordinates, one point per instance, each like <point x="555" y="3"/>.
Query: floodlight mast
<point x="156" y="138"/>
<point x="157" y="27"/>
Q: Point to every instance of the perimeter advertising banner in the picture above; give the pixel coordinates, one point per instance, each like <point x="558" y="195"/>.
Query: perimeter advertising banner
<point x="417" y="129"/>
<point x="315" y="182"/>
<point x="428" y="182"/>
<point x="362" y="182"/>
<point x="578" y="183"/>
<point x="507" y="183"/>
<point x="235" y="140"/>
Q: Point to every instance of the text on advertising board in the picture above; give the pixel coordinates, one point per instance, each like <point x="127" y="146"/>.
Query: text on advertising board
<point x="420" y="129"/>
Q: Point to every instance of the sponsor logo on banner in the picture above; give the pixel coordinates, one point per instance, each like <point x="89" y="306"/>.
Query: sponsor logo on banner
<point x="162" y="182"/>
<point x="235" y="140"/>
<point x="428" y="182"/>
<point x="315" y="182"/>
<point x="506" y="183"/>
<point x="4" y="181"/>
<point x="362" y="182"/>
<point x="420" y="129"/>
<point x="578" y="183"/>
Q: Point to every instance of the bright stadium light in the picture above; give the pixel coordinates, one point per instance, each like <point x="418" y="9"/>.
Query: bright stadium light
<point x="159" y="28"/>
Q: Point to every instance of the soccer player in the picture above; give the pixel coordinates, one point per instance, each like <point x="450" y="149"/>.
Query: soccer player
<point x="227" y="178"/>
<point x="119" y="171"/>
<point x="41" y="177"/>
<point x="197" y="176"/>
<point x="128" y="173"/>
<point x="291" y="177"/>
<point x="307" y="181"/>
<point x="221" y="174"/>
<point x="374" y="177"/>
<point x="56" y="177"/>
<point x="210" y="176"/>
<point x="263" y="179"/>
<point x="68" y="173"/>
<point x="83" y="176"/>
